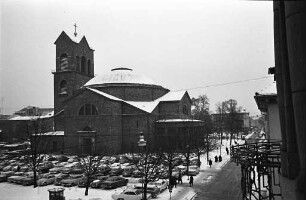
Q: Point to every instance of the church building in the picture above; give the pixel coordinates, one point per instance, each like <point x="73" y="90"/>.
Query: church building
<point x="107" y="113"/>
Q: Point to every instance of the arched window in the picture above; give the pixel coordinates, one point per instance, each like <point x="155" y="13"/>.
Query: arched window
<point x="78" y="64"/>
<point x="185" y="110"/>
<point x="87" y="128"/>
<point x="88" y="109"/>
<point x="64" y="62"/>
<point x="63" y="87"/>
<point x="89" y="67"/>
<point x="83" y="63"/>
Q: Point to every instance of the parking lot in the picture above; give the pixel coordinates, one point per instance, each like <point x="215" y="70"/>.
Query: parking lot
<point x="16" y="178"/>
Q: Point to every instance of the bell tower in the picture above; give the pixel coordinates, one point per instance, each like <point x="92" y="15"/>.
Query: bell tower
<point x="74" y="67"/>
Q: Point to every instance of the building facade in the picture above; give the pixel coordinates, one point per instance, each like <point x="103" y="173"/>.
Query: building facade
<point x="106" y="113"/>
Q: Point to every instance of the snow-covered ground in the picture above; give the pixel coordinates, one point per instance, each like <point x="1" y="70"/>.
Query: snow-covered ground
<point x="10" y="191"/>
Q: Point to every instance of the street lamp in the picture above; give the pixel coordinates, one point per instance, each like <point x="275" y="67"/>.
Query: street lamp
<point x="187" y="146"/>
<point x="143" y="143"/>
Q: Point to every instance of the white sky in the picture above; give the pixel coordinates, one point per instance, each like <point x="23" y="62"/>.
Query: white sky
<point x="179" y="44"/>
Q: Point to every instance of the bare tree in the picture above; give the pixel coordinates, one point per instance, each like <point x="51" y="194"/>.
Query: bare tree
<point x="37" y="128"/>
<point x="148" y="162"/>
<point x="90" y="166"/>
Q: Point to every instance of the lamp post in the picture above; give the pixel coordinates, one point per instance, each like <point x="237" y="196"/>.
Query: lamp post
<point x="187" y="146"/>
<point x="143" y="143"/>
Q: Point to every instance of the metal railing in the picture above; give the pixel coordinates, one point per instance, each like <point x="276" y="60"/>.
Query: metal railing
<point x="260" y="166"/>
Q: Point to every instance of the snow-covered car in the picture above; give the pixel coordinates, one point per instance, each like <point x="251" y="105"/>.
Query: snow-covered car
<point x="114" y="182"/>
<point x="104" y="169"/>
<point x="55" y="170"/>
<point x="116" y="171"/>
<point x="151" y="189"/>
<point x="98" y="181"/>
<point x="160" y="184"/>
<point x="130" y="194"/>
<point x="14" y="179"/>
<point x="29" y="180"/>
<point x="59" y="178"/>
<point x="193" y="170"/>
<point x="127" y="172"/>
<point x="46" y="179"/>
<point x="4" y="175"/>
<point x="71" y="181"/>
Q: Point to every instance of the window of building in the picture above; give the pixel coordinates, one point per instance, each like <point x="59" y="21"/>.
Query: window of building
<point x="185" y="110"/>
<point x="89" y="67"/>
<point x="88" y="109"/>
<point x="63" y="87"/>
<point x="83" y="63"/>
<point x="78" y="67"/>
<point x="64" y="62"/>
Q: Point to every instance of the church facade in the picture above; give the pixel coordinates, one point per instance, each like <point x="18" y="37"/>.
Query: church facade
<point x="107" y="113"/>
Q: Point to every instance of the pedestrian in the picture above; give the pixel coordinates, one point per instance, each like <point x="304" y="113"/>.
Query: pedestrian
<point x="180" y="178"/>
<point x="216" y="158"/>
<point x="210" y="162"/>
<point x="227" y="152"/>
<point x="191" y="181"/>
<point x="174" y="182"/>
<point x="220" y="158"/>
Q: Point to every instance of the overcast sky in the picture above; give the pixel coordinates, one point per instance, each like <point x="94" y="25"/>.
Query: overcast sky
<point x="180" y="44"/>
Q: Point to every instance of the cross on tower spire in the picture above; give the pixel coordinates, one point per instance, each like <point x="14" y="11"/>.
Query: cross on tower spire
<point x="75" y="33"/>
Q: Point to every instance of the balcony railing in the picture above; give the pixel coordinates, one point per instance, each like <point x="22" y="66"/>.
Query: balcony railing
<point x="260" y="165"/>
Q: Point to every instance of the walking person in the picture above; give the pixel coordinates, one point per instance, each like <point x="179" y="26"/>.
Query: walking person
<point x="210" y="163"/>
<point x="227" y="151"/>
<point x="191" y="181"/>
<point x="220" y="158"/>
<point x="180" y="178"/>
<point x="216" y="158"/>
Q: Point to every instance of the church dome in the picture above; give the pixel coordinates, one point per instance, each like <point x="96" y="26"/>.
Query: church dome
<point x="120" y="76"/>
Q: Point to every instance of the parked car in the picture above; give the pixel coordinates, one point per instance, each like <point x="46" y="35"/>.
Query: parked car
<point x="193" y="170"/>
<point x="127" y="172"/>
<point x="130" y="194"/>
<point x="98" y="181"/>
<point x="55" y="170"/>
<point x="4" y="175"/>
<point x="136" y="174"/>
<point x="46" y="179"/>
<point x="116" y="171"/>
<point x="160" y="184"/>
<point x="28" y="180"/>
<point x="151" y="189"/>
<point x="104" y="169"/>
<point x="114" y="182"/>
<point x="59" y="178"/>
<point x="14" y="179"/>
<point x="71" y="181"/>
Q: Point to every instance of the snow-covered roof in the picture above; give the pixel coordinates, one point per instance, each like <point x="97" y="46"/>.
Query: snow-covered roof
<point x="172" y="96"/>
<point x="52" y="133"/>
<point x="17" y="117"/>
<point x="120" y="75"/>
<point x="178" y="120"/>
<point x="147" y="106"/>
<point x="269" y="89"/>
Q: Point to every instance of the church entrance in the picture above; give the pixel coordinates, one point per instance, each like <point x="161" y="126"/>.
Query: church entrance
<point x="87" y="140"/>
<point x="87" y="146"/>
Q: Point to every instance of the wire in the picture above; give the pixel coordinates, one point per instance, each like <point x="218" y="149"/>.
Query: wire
<point x="226" y="83"/>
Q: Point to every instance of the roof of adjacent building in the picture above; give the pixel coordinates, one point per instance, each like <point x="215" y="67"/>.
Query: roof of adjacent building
<point x="178" y="120"/>
<point x="120" y="76"/>
<point x="269" y="89"/>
